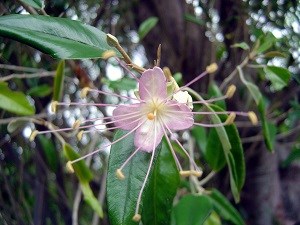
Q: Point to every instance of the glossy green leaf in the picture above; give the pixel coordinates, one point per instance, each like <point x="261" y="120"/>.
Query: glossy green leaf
<point x="278" y="76"/>
<point x="192" y="210"/>
<point x="40" y="91"/>
<point x="242" y="45"/>
<point x="224" y="208"/>
<point x="234" y="156"/>
<point x="59" y="81"/>
<point x="147" y="26"/>
<point x="14" y="101"/>
<point x="125" y="84"/>
<point x="161" y="189"/>
<point x="269" y="129"/>
<point x="38" y="4"/>
<point x="16" y="124"/>
<point x="83" y="173"/>
<point x="122" y="194"/>
<point x="90" y="198"/>
<point x="199" y="133"/>
<point x="294" y="155"/>
<point x="59" y="37"/>
<point x="49" y="152"/>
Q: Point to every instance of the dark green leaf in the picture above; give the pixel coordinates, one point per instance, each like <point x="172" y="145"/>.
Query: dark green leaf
<point x="224" y="208"/>
<point x="16" y="124"/>
<point x="161" y="189"/>
<point x="199" y="133"/>
<point x="125" y="83"/>
<point x="90" y="198"/>
<point x="192" y="210"/>
<point x="242" y="45"/>
<point x="59" y="81"/>
<point x="269" y="129"/>
<point x="38" y="4"/>
<point x="266" y="42"/>
<point x="194" y="19"/>
<point x="50" y="152"/>
<point x="14" y="101"/>
<point x="278" y="76"/>
<point x="294" y="155"/>
<point x="40" y="91"/>
<point x="83" y="173"/>
<point x="147" y="26"/>
<point x="122" y="194"/>
<point x="59" y="37"/>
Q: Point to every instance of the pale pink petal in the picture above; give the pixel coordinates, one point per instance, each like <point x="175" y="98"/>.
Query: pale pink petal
<point x="153" y="84"/>
<point x="147" y="135"/>
<point x="127" y="117"/>
<point x="177" y="116"/>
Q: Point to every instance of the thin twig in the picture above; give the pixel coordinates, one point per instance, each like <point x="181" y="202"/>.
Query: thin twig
<point x="27" y="76"/>
<point x="20" y="68"/>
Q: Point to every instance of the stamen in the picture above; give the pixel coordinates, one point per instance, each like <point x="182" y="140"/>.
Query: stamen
<point x="212" y="68"/>
<point x="137" y="217"/>
<point x="196" y="173"/>
<point x="253" y="118"/>
<point x="119" y="174"/>
<point x="108" y="54"/>
<point x="33" y="135"/>
<point x="53" y="106"/>
<point x="230" y="91"/>
<point x="114" y="94"/>
<point x="230" y="119"/>
<point x="69" y="167"/>
<point x="76" y="124"/>
<point x="150" y="116"/>
<point x="84" y="92"/>
<point x="79" y="135"/>
<point x="185" y="173"/>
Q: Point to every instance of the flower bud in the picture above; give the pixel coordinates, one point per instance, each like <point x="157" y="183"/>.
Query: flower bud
<point x="112" y="40"/>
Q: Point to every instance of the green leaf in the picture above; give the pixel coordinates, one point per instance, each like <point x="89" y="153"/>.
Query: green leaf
<point x="14" y="101"/>
<point x="59" y="81"/>
<point x="40" y="91"/>
<point x="38" y="4"/>
<point x="147" y="26"/>
<point x="273" y="54"/>
<point x="214" y="91"/>
<point x="242" y="45"/>
<point x="278" y="76"/>
<point x="266" y="42"/>
<point x="50" y="152"/>
<point x="269" y="129"/>
<point x="213" y="219"/>
<point x="192" y="210"/>
<point x="294" y="155"/>
<point x="59" y="37"/>
<point x="224" y="208"/>
<point x="90" y="198"/>
<point x="16" y="124"/>
<point x="83" y="173"/>
<point x="199" y="133"/>
<point x="122" y="194"/>
<point x="161" y="189"/>
<point x="192" y="18"/>
<point x="234" y="156"/>
<point x="125" y="84"/>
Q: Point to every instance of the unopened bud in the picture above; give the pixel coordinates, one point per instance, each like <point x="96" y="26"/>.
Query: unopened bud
<point x="136" y="218"/>
<point x="108" y="54"/>
<point x="253" y="118"/>
<point x="76" y="124"/>
<point x="230" y="118"/>
<point x="84" y="92"/>
<point x="230" y="91"/>
<point x="79" y="135"/>
<point x="212" y="68"/>
<point x="69" y="167"/>
<point x="33" y="135"/>
<point x="185" y="173"/>
<point x="120" y="174"/>
<point x="112" y="40"/>
<point x="53" y="106"/>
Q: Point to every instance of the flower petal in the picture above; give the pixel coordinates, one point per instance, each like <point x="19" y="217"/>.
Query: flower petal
<point x="147" y="135"/>
<point x="127" y="117"/>
<point x="153" y="84"/>
<point x="177" y="116"/>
